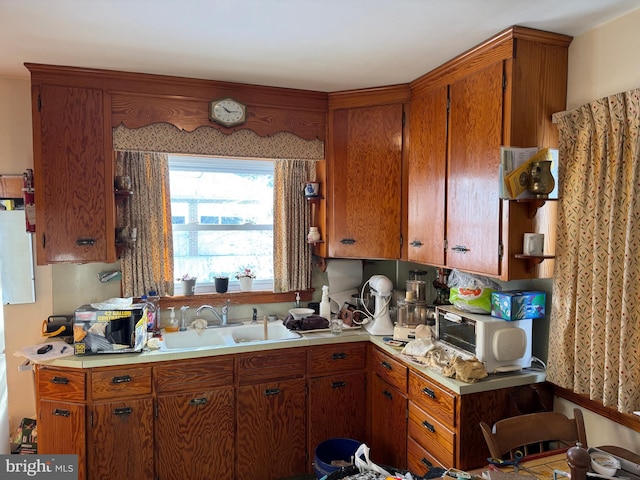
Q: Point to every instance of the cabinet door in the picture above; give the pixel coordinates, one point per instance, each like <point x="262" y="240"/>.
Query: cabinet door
<point x="271" y="430"/>
<point x="121" y="440"/>
<point x="473" y="204"/>
<point x="389" y="425"/>
<point x="337" y="408"/>
<point x="61" y="428"/>
<point x="75" y="218"/>
<point x="427" y="177"/>
<point x="195" y="435"/>
<point x="365" y="182"/>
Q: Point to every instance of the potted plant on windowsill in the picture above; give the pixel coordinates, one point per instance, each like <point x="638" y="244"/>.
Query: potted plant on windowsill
<point x="245" y="277"/>
<point x="188" y="284"/>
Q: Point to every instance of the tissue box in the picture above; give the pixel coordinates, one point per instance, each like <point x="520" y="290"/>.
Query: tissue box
<point x="109" y="331"/>
<point x="518" y="304"/>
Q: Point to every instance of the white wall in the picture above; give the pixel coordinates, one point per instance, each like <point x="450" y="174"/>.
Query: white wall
<point x="602" y="62"/>
<point x="22" y="322"/>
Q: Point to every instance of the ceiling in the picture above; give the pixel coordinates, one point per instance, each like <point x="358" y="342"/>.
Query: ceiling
<point x="325" y="45"/>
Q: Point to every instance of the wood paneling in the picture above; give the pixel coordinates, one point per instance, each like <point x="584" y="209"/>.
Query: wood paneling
<point x="11" y="186"/>
<point x="194" y="374"/>
<point x="260" y="367"/>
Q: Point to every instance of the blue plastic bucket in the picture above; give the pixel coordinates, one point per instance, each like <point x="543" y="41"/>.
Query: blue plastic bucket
<point x="331" y="450"/>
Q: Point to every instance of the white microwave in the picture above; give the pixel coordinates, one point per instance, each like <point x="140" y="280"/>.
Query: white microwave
<point x="502" y="345"/>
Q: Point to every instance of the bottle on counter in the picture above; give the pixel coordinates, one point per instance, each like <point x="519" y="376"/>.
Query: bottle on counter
<point x="172" y="326"/>
<point x="325" y="304"/>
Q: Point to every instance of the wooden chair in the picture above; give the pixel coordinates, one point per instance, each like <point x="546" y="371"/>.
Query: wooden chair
<point x="534" y="432"/>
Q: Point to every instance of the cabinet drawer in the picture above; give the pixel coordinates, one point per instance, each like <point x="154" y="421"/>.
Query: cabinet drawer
<point x="120" y="383"/>
<point x="432" y="398"/>
<point x="193" y="374"/>
<point x="337" y="358"/>
<point x="390" y="370"/>
<point x="61" y="384"/>
<point x="419" y="460"/>
<point x="432" y="435"/>
<point x="274" y="365"/>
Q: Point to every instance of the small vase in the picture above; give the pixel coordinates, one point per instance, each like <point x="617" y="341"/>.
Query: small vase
<point x="314" y="235"/>
<point x="188" y="287"/>
<point x="246" y="283"/>
<point x="541" y="182"/>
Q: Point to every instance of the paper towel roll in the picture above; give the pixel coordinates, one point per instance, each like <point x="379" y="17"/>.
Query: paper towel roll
<point x="345" y="277"/>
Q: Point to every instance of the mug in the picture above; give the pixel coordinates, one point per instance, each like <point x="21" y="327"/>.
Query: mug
<point x="533" y="244"/>
<point x="311" y="189"/>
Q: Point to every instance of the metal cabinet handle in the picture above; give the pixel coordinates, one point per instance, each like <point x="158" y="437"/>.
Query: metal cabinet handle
<point x="61" y="413"/>
<point x="348" y="241"/>
<point x="416" y="243"/>
<point x="122" y="379"/>
<point x="429" y="393"/>
<point x="198" y="401"/>
<point x="60" y="380"/>
<point x="388" y="394"/>
<point x="386" y="365"/>
<point x="460" y="249"/>
<point x="272" y="391"/>
<point x="428" y="426"/>
<point x="339" y="356"/>
<point x="85" y="241"/>
<point x="426" y="462"/>
<point x="122" y="411"/>
<point x="338" y="384"/>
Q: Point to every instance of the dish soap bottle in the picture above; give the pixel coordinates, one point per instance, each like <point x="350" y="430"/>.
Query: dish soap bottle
<point x="173" y="323"/>
<point x="325" y="305"/>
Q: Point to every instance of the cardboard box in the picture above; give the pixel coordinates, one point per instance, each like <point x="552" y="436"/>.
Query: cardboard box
<point x="518" y="304"/>
<point x="109" y="331"/>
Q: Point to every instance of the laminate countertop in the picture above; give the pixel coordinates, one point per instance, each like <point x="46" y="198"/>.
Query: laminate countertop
<point x="492" y="382"/>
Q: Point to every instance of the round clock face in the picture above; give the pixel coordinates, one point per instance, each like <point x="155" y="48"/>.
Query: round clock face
<point x="227" y="112"/>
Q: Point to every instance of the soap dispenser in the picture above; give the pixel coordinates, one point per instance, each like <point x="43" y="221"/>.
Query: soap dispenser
<point x="173" y="322"/>
<point x="325" y="305"/>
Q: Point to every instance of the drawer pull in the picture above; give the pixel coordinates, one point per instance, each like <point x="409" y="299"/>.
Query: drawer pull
<point x="347" y="241"/>
<point x="429" y="393"/>
<point x="388" y="394"/>
<point x="272" y="391"/>
<point x="85" y="241"/>
<point x="339" y="356"/>
<point x="416" y="243"/>
<point x="122" y="379"/>
<point x="426" y="462"/>
<point x="460" y="249"/>
<point x="122" y="411"/>
<point x="386" y="365"/>
<point x="60" y="380"/>
<point x="338" y="384"/>
<point x="428" y="426"/>
<point x="198" y="401"/>
<point x="61" y="413"/>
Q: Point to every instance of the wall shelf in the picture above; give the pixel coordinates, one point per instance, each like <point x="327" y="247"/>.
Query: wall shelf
<point x="534" y="204"/>
<point x="533" y="260"/>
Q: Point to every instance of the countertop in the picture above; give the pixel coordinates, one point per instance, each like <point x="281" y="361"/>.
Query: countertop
<point x="492" y="382"/>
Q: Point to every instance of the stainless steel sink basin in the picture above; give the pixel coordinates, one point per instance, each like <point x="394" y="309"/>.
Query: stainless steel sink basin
<point x="255" y="333"/>
<point x="227" y="336"/>
<point x="196" y="339"/>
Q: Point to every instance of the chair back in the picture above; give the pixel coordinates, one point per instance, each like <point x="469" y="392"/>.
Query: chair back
<point x="534" y="432"/>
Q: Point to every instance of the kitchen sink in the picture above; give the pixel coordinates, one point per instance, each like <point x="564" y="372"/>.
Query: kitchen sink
<point x="227" y="336"/>
<point x="255" y="333"/>
<point x="192" y="338"/>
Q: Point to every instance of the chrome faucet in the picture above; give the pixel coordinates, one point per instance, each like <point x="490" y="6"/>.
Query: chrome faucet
<point x="224" y="310"/>
<point x="183" y="317"/>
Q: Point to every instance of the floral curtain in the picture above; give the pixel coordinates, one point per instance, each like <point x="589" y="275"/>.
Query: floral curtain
<point x="594" y="336"/>
<point x="291" y="252"/>
<point x="148" y="264"/>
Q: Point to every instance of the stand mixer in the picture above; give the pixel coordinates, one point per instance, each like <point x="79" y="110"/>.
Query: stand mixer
<point x="380" y="321"/>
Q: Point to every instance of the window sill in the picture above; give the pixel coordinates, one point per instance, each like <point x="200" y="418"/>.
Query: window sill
<point x="237" y="298"/>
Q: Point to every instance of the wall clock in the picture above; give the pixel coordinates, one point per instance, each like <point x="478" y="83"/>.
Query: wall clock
<point x="227" y="112"/>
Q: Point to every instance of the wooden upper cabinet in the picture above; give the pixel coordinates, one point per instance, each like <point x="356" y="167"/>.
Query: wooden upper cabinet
<point x="75" y="220"/>
<point x="473" y="205"/>
<point x="364" y="193"/>
<point x="426" y="184"/>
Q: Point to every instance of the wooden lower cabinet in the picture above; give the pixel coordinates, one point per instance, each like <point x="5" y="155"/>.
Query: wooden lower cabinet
<point x="389" y="427"/>
<point x="121" y="440"/>
<point x="271" y="430"/>
<point x="195" y="435"/>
